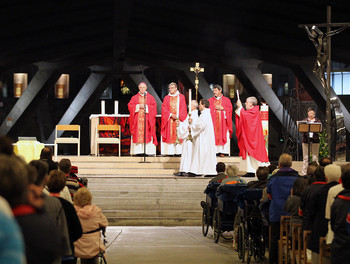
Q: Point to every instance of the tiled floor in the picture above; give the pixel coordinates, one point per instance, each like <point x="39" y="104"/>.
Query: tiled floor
<point x="157" y="244"/>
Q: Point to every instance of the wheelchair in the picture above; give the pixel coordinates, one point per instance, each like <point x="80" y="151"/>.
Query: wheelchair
<point x="101" y="255"/>
<point x="253" y="229"/>
<point x="209" y="206"/>
<point x="226" y="210"/>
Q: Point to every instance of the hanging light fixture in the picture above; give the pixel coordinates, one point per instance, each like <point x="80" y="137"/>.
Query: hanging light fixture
<point x="20" y="83"/>
<point x="62" y="87"/>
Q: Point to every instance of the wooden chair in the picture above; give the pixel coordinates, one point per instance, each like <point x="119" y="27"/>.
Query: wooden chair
<point x="67" y="140"/>
<point x="325" y="249"/>
<point x="283" y="243"/>
<point x="296" y="243"/>
<point x="107" y="140"/>
<point x="303" y="253"/>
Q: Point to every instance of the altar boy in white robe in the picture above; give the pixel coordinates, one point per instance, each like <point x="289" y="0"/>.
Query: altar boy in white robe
<point x="204" y="153"/>
<point x="187" y="145"/>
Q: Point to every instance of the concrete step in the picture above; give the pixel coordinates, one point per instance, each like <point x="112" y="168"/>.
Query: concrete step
<point x="127" y="165"/>
<point x="155" y="221"/>
<point x="131" y="171"/>
<point x="147" y="204"/>
<point x="148" y="194"/>
<point x="153" y="213"/>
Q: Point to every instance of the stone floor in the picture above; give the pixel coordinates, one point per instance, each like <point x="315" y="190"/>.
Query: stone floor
<point x="157" y="244"/>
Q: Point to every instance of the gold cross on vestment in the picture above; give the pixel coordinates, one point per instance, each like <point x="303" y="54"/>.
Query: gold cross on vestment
<point x="197" y="70"/>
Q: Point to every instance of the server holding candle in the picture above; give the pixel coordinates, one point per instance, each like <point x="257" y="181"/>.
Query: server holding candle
<point x="173" y="107"/>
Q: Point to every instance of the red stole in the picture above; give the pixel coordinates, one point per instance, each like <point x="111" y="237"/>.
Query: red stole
<point x="169" y="106"/>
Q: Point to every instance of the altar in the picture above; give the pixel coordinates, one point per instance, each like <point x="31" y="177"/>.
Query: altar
<point x="123" y="121"/>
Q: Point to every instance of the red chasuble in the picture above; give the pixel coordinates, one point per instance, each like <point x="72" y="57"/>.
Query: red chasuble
<point x="250" y="136"/>
<point x="168" y="125"/>
<point x="221" y="125"/>
<point x="137" y="121"/>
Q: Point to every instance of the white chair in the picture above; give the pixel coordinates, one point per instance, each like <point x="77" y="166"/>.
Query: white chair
<point x="67" y="140"/>
<point x="107" y="140"/>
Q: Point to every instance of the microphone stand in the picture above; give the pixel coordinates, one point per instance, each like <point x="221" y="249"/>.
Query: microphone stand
<point x="144" y="131"/>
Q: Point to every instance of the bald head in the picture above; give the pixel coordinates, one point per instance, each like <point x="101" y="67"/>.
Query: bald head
<point x="194" y="105"/>
<point x="285" y="160"/>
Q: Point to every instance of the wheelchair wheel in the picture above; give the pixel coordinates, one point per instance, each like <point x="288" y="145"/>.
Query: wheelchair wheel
<point x="205" y="219"/>
<point x="102" y="258"/>
<point x="216" y="225"/>
<point x="250" y="248"/>
<point x="241" y="243"/>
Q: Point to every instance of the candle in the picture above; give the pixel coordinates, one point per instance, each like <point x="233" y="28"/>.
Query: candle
<point x="237" y="95"/>
<point x="115" y="107"/>
<point x="189" y="101"/>
<point x="178" y="106"/>
<point x="103" y="107"/>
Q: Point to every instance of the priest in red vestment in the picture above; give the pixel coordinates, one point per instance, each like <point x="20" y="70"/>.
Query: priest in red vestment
<point x="221" y="113"/>
<point x="141" y="106"/>
<point x="173" y="107"/>
<point x="250" y="137"/>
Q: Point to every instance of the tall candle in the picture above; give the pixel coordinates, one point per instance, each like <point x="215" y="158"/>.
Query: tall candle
<point x="103" y="107"/>
<point x="189" y="101"/>
<point x="115" y="107"/>
<point x="178" y="106"/>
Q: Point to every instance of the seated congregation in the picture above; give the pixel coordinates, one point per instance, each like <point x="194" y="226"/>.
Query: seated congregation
<point x="46" y="212"/>
<point x="307" y="217"/>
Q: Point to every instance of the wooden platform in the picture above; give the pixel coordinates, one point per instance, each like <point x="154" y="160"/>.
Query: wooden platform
<point x="134" y="193"/>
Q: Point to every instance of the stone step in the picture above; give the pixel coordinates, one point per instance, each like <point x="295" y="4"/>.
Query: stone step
<point x="148" y="194"/>
<point x="131" y="171"/>
<point x="127" y="165"/>
<point x="152" y="213"/>
<point x="132" y="187"/>
<point x="155" y="221"/>
<point x="147" y="204"/>
<point x="95" y="179"/>
<point x="161" y="159"/>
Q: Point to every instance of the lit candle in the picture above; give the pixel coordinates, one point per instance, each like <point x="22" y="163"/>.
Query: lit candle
<point x="178" y="106"/>
<point x="189" y="101"/>
<point x="115" y="107"/>
<point x="103" y="107"/>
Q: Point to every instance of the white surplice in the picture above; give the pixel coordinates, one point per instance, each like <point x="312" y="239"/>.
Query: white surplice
<point x="187" y="145"/>
<point x="204" y="151"/>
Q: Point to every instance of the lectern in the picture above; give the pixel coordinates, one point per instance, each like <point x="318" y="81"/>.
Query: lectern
<point x="306" y="127"/>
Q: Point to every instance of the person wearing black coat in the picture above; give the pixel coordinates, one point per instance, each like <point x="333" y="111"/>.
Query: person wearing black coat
<point x="317" y="210"/>
<point x="306" y="197"/>
<point x="341" y="241"/>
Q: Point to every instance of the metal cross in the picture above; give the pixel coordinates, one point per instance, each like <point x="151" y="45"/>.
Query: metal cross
<point x="322" y="43"/>
<point x="197" y="70"/>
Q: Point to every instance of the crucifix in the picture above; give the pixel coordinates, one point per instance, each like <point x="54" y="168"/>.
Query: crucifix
<point x="322" y="43"/>
<point x="197" y="70"/>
